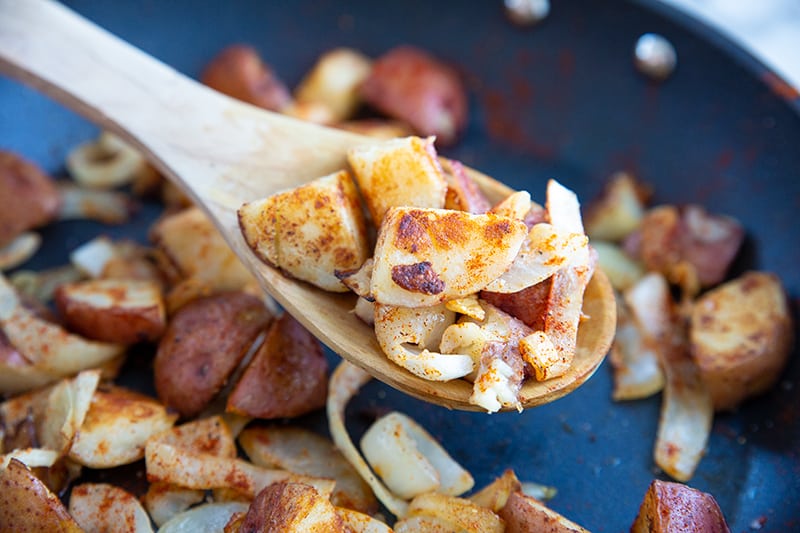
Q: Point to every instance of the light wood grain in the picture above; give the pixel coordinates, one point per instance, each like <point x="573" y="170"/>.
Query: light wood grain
<point x="222" y="153"/>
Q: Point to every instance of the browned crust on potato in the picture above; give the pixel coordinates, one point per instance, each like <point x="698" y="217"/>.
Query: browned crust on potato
<point x="287" y="377"/>
<point x="238" y="71"/>
<point x="203" y="345"/>
<point x="673" y="507"/>
<point x="291" y="507"/>
<point x="28" y="197"/>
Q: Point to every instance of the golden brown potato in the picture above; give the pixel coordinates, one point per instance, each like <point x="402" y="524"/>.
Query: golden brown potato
<point x="238" y="71"/>
<point x="310" y="231"/>
<point x="203" y="345"/>
<point x="495" y="495"/>
<point x="523" y="514"/>
<point x="459" y="514"/>
<point x="26" y="505"/>
<point x="674" y="507"/>
<point x="28" y="197"/>
<point x="287" y="377"/>
<point x="619" y="210"/>
<point x="116" y="428"/>
<point x="291" y="508"/>
<point x="334" y="82"/>
<point x="409" y="84"/>
<point x="741" y="336"/>
<point x="124" y="311"/>
<point x="396" y="173"/>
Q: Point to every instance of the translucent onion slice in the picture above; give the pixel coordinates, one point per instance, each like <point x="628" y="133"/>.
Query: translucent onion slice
<point x="409" y="460"/>
<point x="30" y="457"/>
<point x="81" y="203"/>
<point x="345" y="383"/>
<point x="104" y="163"/>
<point x="207" y="517"/>
<point x="686" y="409"/>
<point x="19" y="250"/>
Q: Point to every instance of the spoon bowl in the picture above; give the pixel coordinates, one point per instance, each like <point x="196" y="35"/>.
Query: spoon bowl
<point x="222" y="153"/>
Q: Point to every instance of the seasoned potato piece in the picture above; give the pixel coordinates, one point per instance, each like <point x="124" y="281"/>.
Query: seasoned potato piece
<point x="115" y="430"/>
<point x="495" y="495"/>
<point x="311" y="231"/>
<point x="203" y="345"/>
<point x="303" y="452"/>
<point x="238" y="71"/>
<point x="408" y="84"/>
<point x="28" y="197"/>
<point x="460" y="514"/>
<point x="427" y="256"/>
<point x="619" y="210"/>
<point x="674" y="507"/>
<point x="741" y="337"/>
<point x="400" y="172"/>
<point x="523" y="514"/>
<point x="355" y="522"/>
<point x="621" y="269"/>
<point x="204" y="435"/>
<point x="528" y="305"/>
<point x="291" y="508"/>
<point x="334" y="81"/>
<point x="102" y="507"/>
<point x="196" y="250"/>
<point x="19" y="249"/>
<point x="113" y="310"/>
<point x="287" y="377"/>
<point x="27" y="505"/>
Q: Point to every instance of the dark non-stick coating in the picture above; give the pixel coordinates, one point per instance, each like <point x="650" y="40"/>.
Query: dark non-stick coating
<point x="559" y="100"/>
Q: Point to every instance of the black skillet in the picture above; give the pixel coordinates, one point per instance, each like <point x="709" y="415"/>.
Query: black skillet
<point x="560" y="100"/>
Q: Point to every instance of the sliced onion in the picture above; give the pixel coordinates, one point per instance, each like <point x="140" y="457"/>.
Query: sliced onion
<point x="42" y="284"/>
<point x="30" y="457"/>
<point x="108" y="207"/>
<point x="105" y="163"/>
<point x="19" y="250"/>
<point x="207" y="517"/>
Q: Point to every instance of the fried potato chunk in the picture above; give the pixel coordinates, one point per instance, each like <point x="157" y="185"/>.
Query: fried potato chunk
<point x="741" y="336"/>
<point x="28" y="197"/>
<point x="311" y="231"/>
<point x="287" y="377"/>
<point x="103" y="507"/>
<point x="673" y="507"/>
<point x="204" y="343"/>
<point x="424" y="257"/>
<point x="523" y="513"/>
<point x="291" y="508"/>
<point x="125" y="311"/>
<point x="334" y="82"/>
<point x="400" y="172"/>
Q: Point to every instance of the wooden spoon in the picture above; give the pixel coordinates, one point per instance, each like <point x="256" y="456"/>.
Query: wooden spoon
<point x="222" y="153"/>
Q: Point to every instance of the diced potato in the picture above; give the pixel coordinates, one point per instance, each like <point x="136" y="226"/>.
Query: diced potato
<point x="196" y="250"/>
<point x="287" y="377"/>
<point x="334" y="81"/>
<point x="495" y="495"/>
<point x="671" y="507"/>
<point x="355" y="522"/>
<point x="26" y="504"/>
<point x="103" y="507"/>
<point x="310" y="231"/>
<point x="741" y="336"/>
<point x="238" y="71"/>
<point x="30" y="457"/>
<point x="28" y="197"/>
<point x="618" y="211"/>
<point x="427" y="256"/>
<point x="292" y="508"/>
<point x="622" y="271"/>
<point x="113" y="310"/>
<point x="400" y="172"/>
<point x="423" y="524"/>
<point x="67" y="406"/>
<point x="116" y="428"/>
<point x="202" y="346"/>
<point x="204" y="435"/>
<point x="523" y="514"/>
<point x="303" y="452"/>
<point x="462" y="515"/>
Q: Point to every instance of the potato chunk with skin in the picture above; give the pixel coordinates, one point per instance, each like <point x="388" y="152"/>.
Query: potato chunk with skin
<point x="113" y="310"/>
<point x="203" y="345"/>
<point x="291" y="508"/>
<point x="674" y="507"/>
<point x="399" y="172"/>
<point x="427" y="256"/>
<point x="287" y="377"/>
<point x="238" y="71"/>
<point x="103" y="507"/>
<point x="311" y="231"/>
<point x="523" y="513"/>
<point x="408" y="84"/>
<point x="28" y="197"/>
<point x="741" y="337"/>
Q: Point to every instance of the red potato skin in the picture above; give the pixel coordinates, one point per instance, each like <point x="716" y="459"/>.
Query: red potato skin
<point x="28" y="197"/>
<point x="674" y="508"/>
<point x="528" y="305"/>
<point x="285" y="506"/>
<point x="203" y="344"/>
<point x="111" y="324"/>
<point x="238" y="71"/>
<point x="408" y="84"/>
<point x="287" y="377"/>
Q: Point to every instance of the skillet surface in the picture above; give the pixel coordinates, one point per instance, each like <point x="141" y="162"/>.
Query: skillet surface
<point x="558" y="100"/>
